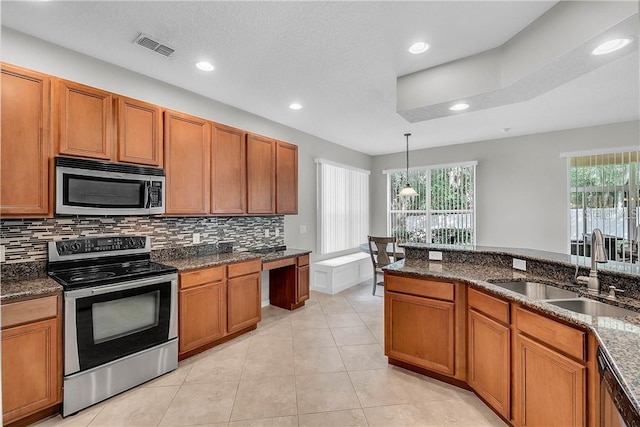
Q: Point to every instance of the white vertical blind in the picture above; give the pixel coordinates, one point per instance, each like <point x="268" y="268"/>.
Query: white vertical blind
<point x="343" y="206"/>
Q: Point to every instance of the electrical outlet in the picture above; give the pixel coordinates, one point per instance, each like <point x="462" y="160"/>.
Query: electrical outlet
<point x="520" y="264"/>
<point x="277" y="232"/>
<point x="196" y="238"/>
<point x="2" y="255"/>
<point x="303" y="229"/>
<point x="435" y="255"/>
<point x="266" y="233"/>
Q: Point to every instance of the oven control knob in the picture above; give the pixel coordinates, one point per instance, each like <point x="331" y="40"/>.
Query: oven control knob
<point x="62" y="248"/>
<point x="75" y="247"/>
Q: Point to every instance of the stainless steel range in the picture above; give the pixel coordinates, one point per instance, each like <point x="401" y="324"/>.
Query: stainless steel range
<point x="120" y="325"/>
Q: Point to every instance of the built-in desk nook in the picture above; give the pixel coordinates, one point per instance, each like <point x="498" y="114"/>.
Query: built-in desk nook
<point x="288" y="281"/>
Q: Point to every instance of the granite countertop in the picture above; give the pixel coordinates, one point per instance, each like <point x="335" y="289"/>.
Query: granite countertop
<point x="25" y="288"/>
<point x="623" y="268"/>
<point x="193" y="262"/>
<point x="28" y="283"/>
<point x="620" y="337"/>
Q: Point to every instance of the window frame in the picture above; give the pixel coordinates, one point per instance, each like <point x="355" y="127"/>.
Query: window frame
<point x="428" y="212"/>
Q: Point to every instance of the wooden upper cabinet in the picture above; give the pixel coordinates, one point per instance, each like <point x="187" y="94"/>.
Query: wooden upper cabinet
<point x="139" y="132"/>
<point x="228" y="171"/>
<point x="26" y="146"/>
<point x="187" y="143"/>
<point x="286" y="178"/>
<point x="85" y="121"/>
<point x="261" y="175"/>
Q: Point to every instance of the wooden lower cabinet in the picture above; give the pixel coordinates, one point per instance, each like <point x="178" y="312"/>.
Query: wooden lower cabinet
<point x="489" y="361"/>
<point x="420" y="331"/>
<point x="217" y="302"/>
<point x="31" y="358"/>
<point x="551" y="387"/>
<point x="203" y="315"/>
<point x="302" y="289"/>
<point x="244" y="298"/>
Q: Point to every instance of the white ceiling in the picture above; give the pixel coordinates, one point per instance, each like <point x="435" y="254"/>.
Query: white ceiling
<point x="339" y="59"/>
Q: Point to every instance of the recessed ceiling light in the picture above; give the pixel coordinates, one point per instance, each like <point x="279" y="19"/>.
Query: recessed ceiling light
<point x="610" y="46"/>
<point x="204" y="66"/>
<point x="418" y="47"/>
<point x="295" y="106"/>
<point x="459" y="107"/>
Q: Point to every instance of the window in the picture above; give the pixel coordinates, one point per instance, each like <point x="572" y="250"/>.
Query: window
<point x="343" y="206"/>
<point x="443" y="211"/>
<point x="604" y="189"/>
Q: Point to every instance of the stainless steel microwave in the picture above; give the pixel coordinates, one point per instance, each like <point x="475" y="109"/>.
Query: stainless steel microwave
<point x="90" y="187"/>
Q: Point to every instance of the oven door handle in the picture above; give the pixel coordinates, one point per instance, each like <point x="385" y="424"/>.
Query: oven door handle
<point x="87" y="292"/>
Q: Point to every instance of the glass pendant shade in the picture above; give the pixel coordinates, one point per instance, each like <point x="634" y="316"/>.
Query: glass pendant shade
<point x="407" y="191"/>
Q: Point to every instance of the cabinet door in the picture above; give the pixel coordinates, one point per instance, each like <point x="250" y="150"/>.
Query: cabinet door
<point x="186" y="157"/>
<point x="244" y="295"/>
<point x="286" y="178"/>
<point x="420" y="331"/>
<point x="85" y="121"/>
<point x="26" y="147"/>
<point x="228" y="171"/>
<point x="139" y="132"/>
<point x="302" y="289"/>
<point x="489" y="361"/>
<point x="261" y="175"/>
<point x="203" y="315"/>
<point x="30" y="369"/>
<point x="550" y="387"/>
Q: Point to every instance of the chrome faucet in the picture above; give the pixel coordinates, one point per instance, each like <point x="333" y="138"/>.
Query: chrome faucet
<point x="598" y="255"/>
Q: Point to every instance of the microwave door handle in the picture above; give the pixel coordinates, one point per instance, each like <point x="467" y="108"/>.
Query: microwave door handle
<point x="147" y="194"/>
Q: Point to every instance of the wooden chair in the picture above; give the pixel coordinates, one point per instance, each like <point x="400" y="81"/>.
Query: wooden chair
<point x="381" y="256"/>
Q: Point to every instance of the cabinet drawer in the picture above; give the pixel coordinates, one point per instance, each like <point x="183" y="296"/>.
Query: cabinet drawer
<point x="244" y="268"/>
<point x="279" y="263"/>
<point x="492" y="307"/>
<point x="17" y="313"/>
<point x="555" y="334"/>
<point x="303" y="260"/>
<point x="419" y="287"/>
<point x="199" y="277"/>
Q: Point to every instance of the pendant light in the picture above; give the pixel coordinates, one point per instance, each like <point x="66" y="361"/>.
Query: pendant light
<point x="407" y="191"/>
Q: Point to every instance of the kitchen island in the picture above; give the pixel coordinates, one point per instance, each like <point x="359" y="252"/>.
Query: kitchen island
<point x="448" y="286"/>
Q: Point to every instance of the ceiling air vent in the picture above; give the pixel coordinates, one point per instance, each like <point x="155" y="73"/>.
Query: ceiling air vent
<point x="146" y="41"/>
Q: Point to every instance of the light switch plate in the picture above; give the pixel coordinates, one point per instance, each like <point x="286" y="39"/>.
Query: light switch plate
<point x="520" y="264"/>
<point x="266" y="233"/>
<point x="196" y="238"/>
<point x="435" y="255"/>
<point x="2" y="254"/>
<point x="303" y="229"/>
<point x="277" y="232"/>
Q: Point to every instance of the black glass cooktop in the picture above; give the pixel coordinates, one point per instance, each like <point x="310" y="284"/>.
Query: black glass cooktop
<point x="79" y="277"/>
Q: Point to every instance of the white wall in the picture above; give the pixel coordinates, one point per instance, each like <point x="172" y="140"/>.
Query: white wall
<point x="522" y="196"/>
<point x="28" y="52"/>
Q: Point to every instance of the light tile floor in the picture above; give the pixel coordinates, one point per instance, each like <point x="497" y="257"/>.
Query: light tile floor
<point x="321" y="365"/>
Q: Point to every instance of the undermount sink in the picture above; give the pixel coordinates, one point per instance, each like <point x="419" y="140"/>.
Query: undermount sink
<point x="537" y="290"/>
<point x="591" y="307"/>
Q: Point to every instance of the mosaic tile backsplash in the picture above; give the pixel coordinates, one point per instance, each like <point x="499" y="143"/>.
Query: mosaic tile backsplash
<point x="25" y="240"/>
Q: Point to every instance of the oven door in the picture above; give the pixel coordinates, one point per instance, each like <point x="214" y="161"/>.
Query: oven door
<point x="106" y="323"/>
